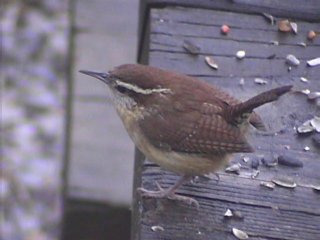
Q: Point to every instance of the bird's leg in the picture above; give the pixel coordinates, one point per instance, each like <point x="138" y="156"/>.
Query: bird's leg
<point x="170" y="192"/>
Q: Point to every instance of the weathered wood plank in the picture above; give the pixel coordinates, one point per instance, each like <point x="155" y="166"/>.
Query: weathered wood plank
<point x="280" y="213"/>
<point x="309" y="10"/>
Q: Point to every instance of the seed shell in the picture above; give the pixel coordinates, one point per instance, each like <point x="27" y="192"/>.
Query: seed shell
<point x="306" y="127"/>
<point x="235" y="168"/>
<point x="228" y="213"/>
<point x="239" y="234"/>
<point x="269" y="17"/>
<point x="313" y="62"/>
<point x="260" y="81"/>
<point x="157" y="228"/>
<point x="294" y="27"/>
<point x="285" y="182"/>
<point x="313" y="95"/>
<point x="292" y="60"/>
<point x="211" y="62"/>
<point x="269" y="185"/>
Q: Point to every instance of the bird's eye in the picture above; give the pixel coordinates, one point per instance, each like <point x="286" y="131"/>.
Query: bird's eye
<point x="122" y="89"/>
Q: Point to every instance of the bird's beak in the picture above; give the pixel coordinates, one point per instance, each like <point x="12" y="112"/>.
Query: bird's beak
<point x="104" y="77"/>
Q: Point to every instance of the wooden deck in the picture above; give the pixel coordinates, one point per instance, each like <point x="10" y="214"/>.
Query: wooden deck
<point x="279" y="213"/>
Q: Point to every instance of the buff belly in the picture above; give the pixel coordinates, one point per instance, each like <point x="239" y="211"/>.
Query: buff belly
<point x="182" y="163"/>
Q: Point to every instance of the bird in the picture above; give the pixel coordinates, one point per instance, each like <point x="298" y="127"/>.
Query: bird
<point x="183" y="124"/>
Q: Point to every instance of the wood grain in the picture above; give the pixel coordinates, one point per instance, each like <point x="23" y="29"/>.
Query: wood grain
<point x="280" y="213"/>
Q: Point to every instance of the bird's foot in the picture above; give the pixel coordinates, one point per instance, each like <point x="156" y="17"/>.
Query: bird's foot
<point x="166" y="193"/>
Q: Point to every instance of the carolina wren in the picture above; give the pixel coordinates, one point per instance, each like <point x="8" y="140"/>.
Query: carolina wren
<point x="181" y="123"/>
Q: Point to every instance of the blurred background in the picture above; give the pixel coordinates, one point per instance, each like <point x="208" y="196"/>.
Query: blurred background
<point x="43" y="45"/>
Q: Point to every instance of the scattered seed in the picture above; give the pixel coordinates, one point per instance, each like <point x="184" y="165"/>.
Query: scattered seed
<point x="316" y="140"/>
<point x="285" y="182"/>
<point x="316" y="188"/>
<point x="306" y="127"/>
<point x="313" y="95"/>
<point x="225" y="29"/>
<point x="315" y="122"/>
<point x="211" y="62"/>
<point x="311" y="35"/>
<point x="294" y="27"/>
<point x="235" y="168"/>
<point x="255" y="163"/>
<point x="269" y="162"/>
<point x="284" y="26"/>
<point x="239" y="234"/>
<point x="255" y="174"/>
<point x="190" y="47"/>
<point x="303" y="79"/>
<point x="241" y="54"/>
<point x="269" y="185"/>
<point x="272" y="56"/>
<point x="269" y="17"/>
<point x="292" y="60"/>
<point x="241" y="81"/>
<point x="228" y="213"/>
<point x="313" y="62"/>
<point x="302" y="44"/>
<point x="306" y="148"/>
<point x="260" y="81"/>
<point x="237" y="214"/>
<point x="305" y="91"/>
<point x="245" y="159"/>
<point x="287" y="147"/>
<point x="289" y="161"/>
<point x="276" y="43"/>
<point x="157" y="228"/>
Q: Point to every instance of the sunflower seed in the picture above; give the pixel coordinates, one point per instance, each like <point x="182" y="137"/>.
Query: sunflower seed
<point x="285" y="182"/>
<point x="190" y="47"/>
<point x="306" y="148"/>
<point x="289" y="161"/>
<point x="239" y="234"/>
<point x="211" y="62"/>
<point x="255" y="163"/>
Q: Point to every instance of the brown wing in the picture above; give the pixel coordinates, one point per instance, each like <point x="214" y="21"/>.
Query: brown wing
<point x="199" y="131"/>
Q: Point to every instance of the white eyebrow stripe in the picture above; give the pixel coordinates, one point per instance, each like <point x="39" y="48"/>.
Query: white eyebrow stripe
<point x="137" y="89"/>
